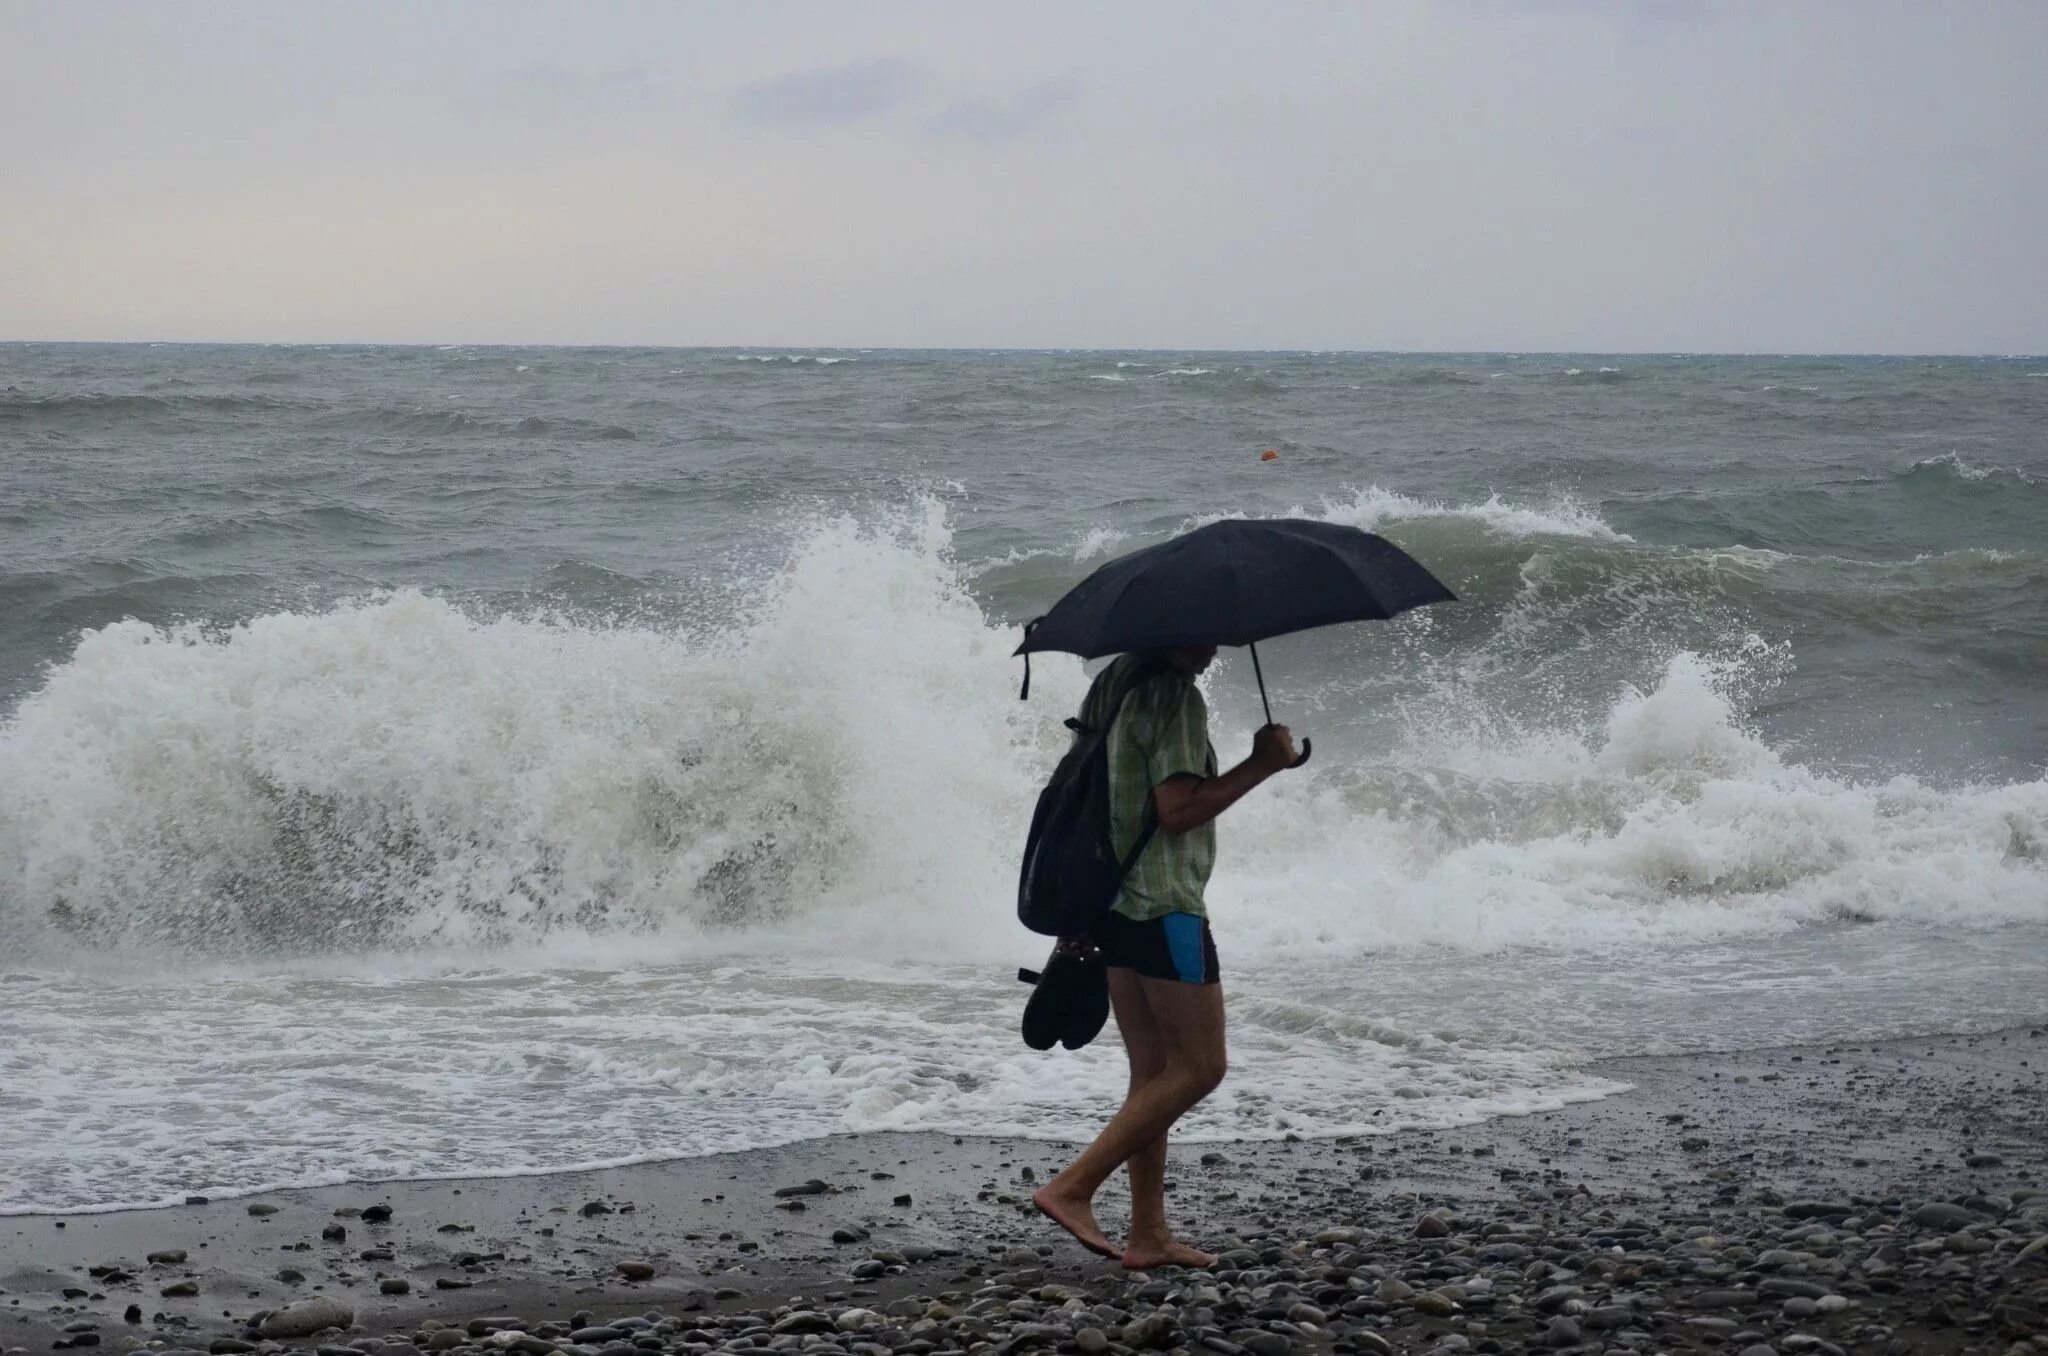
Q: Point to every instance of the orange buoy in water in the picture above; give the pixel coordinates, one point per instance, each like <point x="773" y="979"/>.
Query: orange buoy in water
<point x="1269" y="455"/>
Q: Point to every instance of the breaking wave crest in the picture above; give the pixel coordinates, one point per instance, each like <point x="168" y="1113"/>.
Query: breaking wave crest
<point x="847" y="758"/>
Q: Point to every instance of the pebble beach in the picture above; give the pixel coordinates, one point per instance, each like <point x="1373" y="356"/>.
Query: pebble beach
<point x="1887" y="1198"/>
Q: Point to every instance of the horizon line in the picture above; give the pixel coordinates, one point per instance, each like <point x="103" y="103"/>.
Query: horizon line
<point x="1037" y="348"/>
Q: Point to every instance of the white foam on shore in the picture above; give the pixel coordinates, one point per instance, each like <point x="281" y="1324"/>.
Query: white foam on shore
<point x="318" y="1080"/>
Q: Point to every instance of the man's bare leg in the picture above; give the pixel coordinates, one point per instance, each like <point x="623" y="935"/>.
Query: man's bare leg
<point x="1189" y="1018"/>
<point x="1193" y="1041"/>
<point x="1146" y="1045"/>
<point x="1146" y="1050"/>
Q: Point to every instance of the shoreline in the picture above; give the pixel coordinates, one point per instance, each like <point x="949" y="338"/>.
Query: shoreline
<point x="1892" y="1138"/>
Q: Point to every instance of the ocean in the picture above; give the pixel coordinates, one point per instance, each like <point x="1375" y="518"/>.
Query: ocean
<point x="422" y="762"/>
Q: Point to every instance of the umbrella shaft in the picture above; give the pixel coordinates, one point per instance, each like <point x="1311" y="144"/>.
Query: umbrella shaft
<point x="1259" y="673"/>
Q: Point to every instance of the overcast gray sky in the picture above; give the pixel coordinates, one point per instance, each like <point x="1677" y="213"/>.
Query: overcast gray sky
<point x="1472" y="174"/>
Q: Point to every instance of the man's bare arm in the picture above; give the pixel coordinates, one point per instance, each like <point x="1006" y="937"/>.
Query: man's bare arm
<point x="1188" y="802"/>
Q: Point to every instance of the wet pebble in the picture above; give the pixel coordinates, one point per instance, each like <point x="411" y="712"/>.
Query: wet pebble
<point x="814" y="1187"/>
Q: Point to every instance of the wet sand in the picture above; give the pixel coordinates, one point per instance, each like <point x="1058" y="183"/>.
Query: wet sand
<point x="1888" y="1197"/>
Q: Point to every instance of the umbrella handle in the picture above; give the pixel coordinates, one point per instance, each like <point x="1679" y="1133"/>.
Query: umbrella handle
<point x="1307" y="745"/>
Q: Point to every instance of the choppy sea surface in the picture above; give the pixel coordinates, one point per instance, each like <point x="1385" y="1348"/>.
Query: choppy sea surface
<point x="422" y="762"/>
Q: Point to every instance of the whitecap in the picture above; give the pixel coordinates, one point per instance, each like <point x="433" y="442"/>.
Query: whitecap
<point x="1098" y="541"/>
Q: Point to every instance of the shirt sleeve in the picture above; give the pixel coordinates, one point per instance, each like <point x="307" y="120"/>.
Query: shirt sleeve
<point x="1175" y="731"/>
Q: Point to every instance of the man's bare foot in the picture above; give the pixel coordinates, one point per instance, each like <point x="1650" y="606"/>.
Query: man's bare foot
<point x="1171" y="1253"/>
<point x="1076" y="1217"/>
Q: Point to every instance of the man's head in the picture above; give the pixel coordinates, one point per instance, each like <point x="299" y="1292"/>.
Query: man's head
<point x="1191" y="659"/>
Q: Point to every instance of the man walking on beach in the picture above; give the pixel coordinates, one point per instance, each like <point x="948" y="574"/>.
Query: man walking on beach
<point x="1161" y="959"/>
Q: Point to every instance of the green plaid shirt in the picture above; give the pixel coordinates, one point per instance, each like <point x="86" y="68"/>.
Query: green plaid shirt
<point x="1162" y="731"/>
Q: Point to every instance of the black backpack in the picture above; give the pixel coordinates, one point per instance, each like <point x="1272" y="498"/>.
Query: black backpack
<point x="1071" y="872"/>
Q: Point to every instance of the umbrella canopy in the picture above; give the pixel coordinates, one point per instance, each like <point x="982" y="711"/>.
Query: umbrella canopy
<point x="1234" y="582"/>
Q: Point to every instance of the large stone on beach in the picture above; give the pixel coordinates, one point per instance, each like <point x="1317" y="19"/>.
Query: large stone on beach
<point x="853" y="1320"/>
<point x="307" y="1317"/>
<point x="636" y="1271"/>
<point x="1942" y="1215"/>
<point x="1431" y="1226"/>
<point x="485" y="1326"/>
<point x="1819" y="1210"/>
<point x="1025" y="1336"/>
<point x="803" y="1321"/>
<point x="1773" y="1258"/>
<point x="814" y="1187"/>
<point x="1153" y="1330"/>
<point x="168" y="1257"/>
<point x="1785" y="1285"/>
<point x="2019" y="1318"/>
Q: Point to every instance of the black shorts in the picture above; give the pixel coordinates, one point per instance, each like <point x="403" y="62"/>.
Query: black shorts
<point x="1177" y="946"/>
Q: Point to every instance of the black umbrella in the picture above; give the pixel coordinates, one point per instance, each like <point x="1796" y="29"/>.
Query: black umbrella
<point x="1235" y="582"/>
